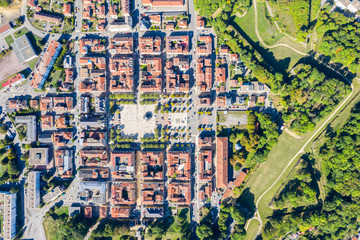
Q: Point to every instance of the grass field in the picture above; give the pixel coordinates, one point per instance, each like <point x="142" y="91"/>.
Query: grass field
<point x="32" y="63"/>
<point x="280" y="57"/>
<point x="247" y="23"/>
<point x="252" y="229"/>
<point x="21" y="32"/>
<point x="9" y="40"/>
<point x="62" y="210"/>
<point x="280" y="155"/>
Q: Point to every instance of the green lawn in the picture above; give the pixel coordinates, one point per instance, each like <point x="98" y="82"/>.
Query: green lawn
<point x="53" y="78"/>
<point x="9" y="40"/>
<point x="38" y="24"/>
<point x="21" y="32"/>
<point x="252" y="229"/>
<point x="266" y="174"/>
<point x="62" y="210"/>
<point x="32" y="63"/>
<point x="282" y="57"/>
<point x="247" y="23"/>
<point x="267" y="30"/>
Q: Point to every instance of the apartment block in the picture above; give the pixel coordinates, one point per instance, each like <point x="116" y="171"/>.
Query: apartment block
<point x="33" y="189"/>
<point x="92" y="74"/>
<point x="151" y="74"/>
<point x="44" y="67"/>
<point x="204" y="45"/>
<point x="205" y="158"/>
<point x="120" y="212"/>
<point x="94" y="173"/>
<point x="93" y="191"/>
<point x="123" y="193"/>
<point x="92" y="138"/>
<point x="58" y="104"/>
<point x="93" y="158"/>
<point x="30" y="122"/>
<point x="152" y="194"/>
<point x="179" y="193"/>
<point x="47" y="122"/>
<point x="64" y="162"/>
<point x="8" y="215"/>
<point x="222" y="162"/>
<point x="152" y="165"/>
<point x="92" y="45"/>
<point x="121" y="70"/>
<point x="150" y="45"/>
<point x="121" y="45"/>
<point x="177" y="74"/>
<point x="122" y="165"/>
<point x="205" y="141"/>
<point x="204" y="72"/>
<point x="179" y="165"/>
<point x="163" y="3"/>
<point x="177" y="44"/>
<point x="62" y="138"/>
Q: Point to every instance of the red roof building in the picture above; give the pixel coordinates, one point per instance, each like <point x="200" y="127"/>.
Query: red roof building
<point x="204" y="74"/>
<point x="121" y="69"/>
<point x="67" y="10"/>
<point x="163" y="3"/>
<point x="152" y="165"/>
<point x="151" y="74"/>
<point x="206" y="165"/>
<point x="179" y="165"/>
<point x="122" y="165"/>
<point x="123" y="193"/>
<point x="15" y="79"/>
<point x="88" y="212"/>
<point x="120" y="212"/>
<point x="152" y="194"/>
<point x="204" y="45"/>
<point x="93" y="158"/>
<point x="222" y="162"/>
<point x="179" y="193"/>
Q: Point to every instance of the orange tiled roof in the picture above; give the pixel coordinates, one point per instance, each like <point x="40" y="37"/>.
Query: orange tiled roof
<point x="222" y="162"/>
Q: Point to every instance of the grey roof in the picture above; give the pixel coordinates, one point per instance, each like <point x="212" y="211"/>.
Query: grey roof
<point x="98" y="190"/>
<point x="30" y="121"/>
<point x="45" y="137"/>
<point x="154" y="212"/>
<point x="23" y="49"/>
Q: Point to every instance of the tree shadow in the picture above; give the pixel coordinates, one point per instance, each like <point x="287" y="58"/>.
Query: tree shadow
<point x="247" y="199"/>
<point x="281" y="65"/>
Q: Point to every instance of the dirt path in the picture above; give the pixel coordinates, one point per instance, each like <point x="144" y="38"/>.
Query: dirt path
<point x="217" y="12"/>
<point x="257" y="214"/>
<point x="9" y="14"/>
<point x="276" y="45"/>
<point x="292" y="133"/>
